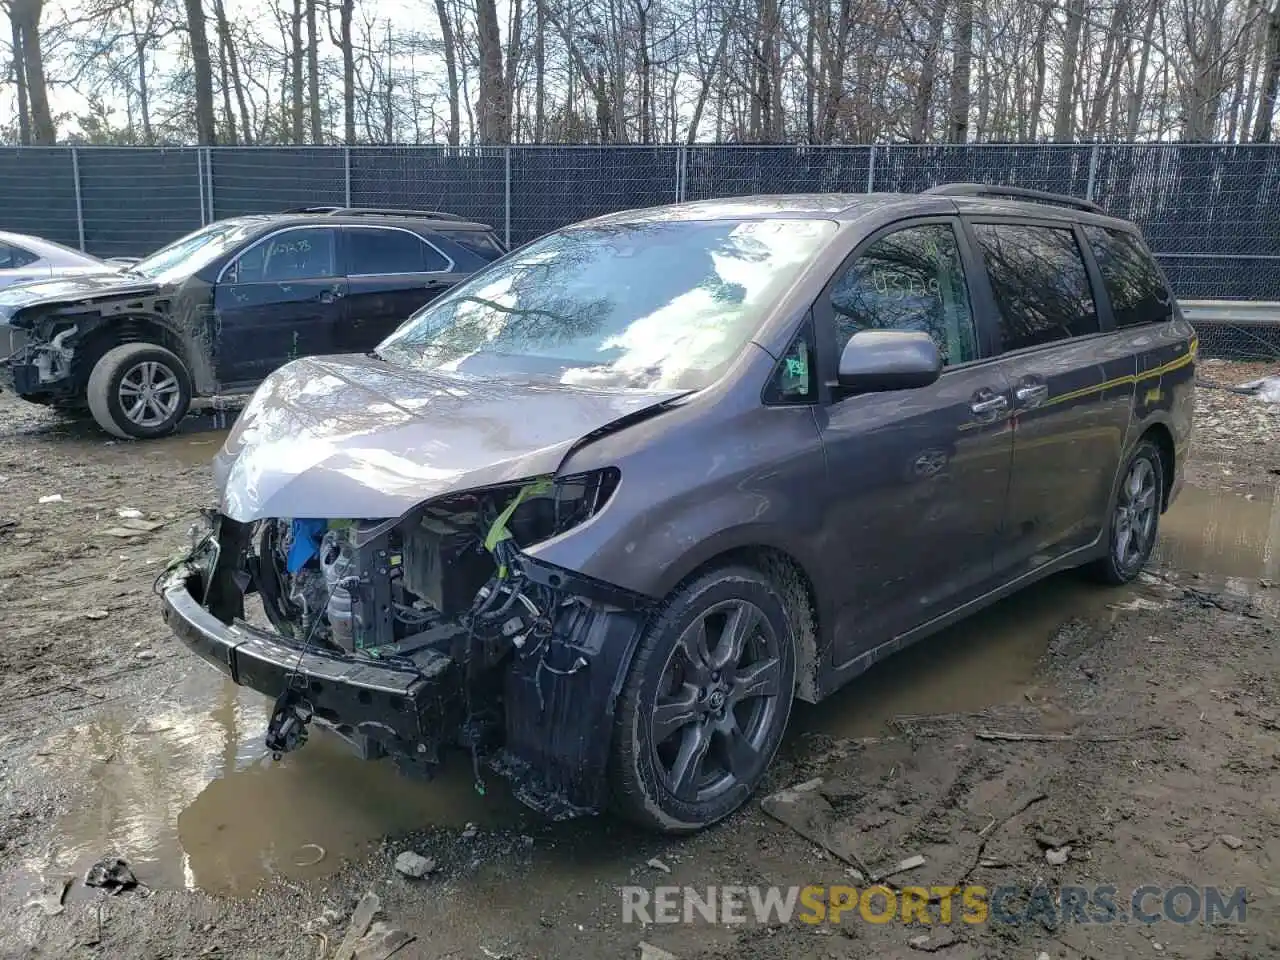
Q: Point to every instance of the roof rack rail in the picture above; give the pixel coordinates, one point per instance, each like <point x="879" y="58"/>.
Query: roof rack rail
<point x="339" y="210"/>
<point x="394" y="212"/>
<point x="1013" y="193"/>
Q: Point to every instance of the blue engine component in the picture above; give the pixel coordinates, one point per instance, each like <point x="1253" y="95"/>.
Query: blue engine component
<point x="307" y="535"/>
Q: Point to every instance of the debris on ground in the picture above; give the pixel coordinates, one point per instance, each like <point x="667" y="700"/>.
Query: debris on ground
<point x="361" y="918"/>
<point x="933" y="944"/>
<point x="112" y="874"/>
<point x="414" y="865"/>
<point x="1233" y="843"/>
<point x="317" y="853"/>
<point x="657" y="865"/>
<point x="903" y="866"/>
<point x="649" y="952"/>
<point x="133" y="528"/>
<point x="52" y="903"/>
<point x="51" y="498"/>
<point x="1056" y="858"/>
<point x="805" y="810"/>
<point x="469" y="831"/>
<point x="96" y="614"/>
<point x="1267" y="390"/>
<point x="381" y="942"/>
<point x="129" y="513"/>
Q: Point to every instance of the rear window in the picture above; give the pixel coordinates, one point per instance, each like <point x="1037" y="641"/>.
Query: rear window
<point x="484" y="245"/>
<point x="1134" y="285"/>
<point x="372" y="251"/>
<point x="12" y="256"/>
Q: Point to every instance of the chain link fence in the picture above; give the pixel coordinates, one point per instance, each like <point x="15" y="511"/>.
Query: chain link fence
<point x="1211" y="212"/>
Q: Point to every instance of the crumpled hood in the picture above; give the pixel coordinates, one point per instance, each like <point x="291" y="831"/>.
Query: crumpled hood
<point x="357" y="438"/>
<point x="73" y="289"/>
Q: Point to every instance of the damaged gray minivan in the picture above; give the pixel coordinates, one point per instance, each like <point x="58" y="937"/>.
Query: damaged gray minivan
<point x="600" y="514"/>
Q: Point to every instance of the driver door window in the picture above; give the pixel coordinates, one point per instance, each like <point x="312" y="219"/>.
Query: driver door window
<point x="911" y="279"/>
<point x="307" y="254"/>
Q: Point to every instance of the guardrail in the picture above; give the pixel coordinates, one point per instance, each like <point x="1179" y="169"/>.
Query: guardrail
<point x="1236" y="329"/>
<point x="1251" y="313"/>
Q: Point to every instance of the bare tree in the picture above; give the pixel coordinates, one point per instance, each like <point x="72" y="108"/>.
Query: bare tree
<point x="1271" y="79"/>
<point x="960" y="75"/>
<point x="203" y="69"/>
<point x="29" y="65"/>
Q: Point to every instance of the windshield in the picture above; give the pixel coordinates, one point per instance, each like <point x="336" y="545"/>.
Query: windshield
<point x="184" y="257"/>
<point x="650" y="306"/>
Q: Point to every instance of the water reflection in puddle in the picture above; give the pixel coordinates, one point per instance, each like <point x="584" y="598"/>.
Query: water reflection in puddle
<point x="1223" y="534"/>
<point x="189" y="796"/>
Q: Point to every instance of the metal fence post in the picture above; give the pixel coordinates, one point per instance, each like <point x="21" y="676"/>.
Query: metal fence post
<point x="680" y="173"/>
<point x="346" y="172"/>
<point x="507" y="197"/>
<point x="871" y="171"/>
<point x="200" y="183"/>
<point x="208" y="181"/>
<point x="75" y="173"/>
<point x="1093" y="172"/>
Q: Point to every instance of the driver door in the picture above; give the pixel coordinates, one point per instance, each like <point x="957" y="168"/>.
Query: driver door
<point x="917" y="479"/>
<point x="278" y="300"/>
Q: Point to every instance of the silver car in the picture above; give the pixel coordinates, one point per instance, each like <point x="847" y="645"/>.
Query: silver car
<point x="25" y="258"/>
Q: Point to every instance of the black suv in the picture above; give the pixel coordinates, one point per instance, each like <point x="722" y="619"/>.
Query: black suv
<point x="218" y="310"/>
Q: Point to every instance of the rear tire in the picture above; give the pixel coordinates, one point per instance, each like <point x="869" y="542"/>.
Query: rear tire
<point x="1134" y="524"/>
<point x="705" y="703"/>
<point x="139" y="391"/>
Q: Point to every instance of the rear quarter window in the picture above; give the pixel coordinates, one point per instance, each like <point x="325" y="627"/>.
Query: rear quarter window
<point x="1134" y="285"/>
<point x="486" y="246"/>
<point x="13" y="257"/>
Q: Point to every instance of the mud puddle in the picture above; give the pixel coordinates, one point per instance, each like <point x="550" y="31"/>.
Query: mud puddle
<point x="188" y="794"/>
<point x="182" y="787"/>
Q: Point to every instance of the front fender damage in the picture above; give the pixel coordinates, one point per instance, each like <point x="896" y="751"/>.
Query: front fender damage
<point x="433" y="634"/>
<point x="56" y="342"/>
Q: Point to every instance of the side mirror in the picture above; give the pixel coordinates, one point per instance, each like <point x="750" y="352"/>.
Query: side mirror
<point x="876" y="360"/>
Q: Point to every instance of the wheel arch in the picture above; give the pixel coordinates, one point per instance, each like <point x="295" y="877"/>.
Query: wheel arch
<point x="1160" y="434"/>
<point x="136" y="329"/>
<point x="1159" y="431"/>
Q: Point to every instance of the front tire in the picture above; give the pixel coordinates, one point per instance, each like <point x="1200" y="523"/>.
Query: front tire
<point x="705" y="703"/>
<point x="1134" y="525"/>
<point x="139" y="391"/>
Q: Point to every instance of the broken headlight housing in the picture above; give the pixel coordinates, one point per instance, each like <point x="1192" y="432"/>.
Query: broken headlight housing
<point x="389" y="587"/>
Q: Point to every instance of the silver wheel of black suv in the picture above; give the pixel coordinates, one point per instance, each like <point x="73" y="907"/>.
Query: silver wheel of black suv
<point x="705" y="703"/>
<point x="139" y="391"/>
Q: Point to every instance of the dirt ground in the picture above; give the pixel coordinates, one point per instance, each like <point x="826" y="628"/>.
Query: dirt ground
<point x="1156" y="707"/>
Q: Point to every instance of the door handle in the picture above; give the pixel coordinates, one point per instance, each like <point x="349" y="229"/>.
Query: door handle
<point x="990" y="406"/>
<point x="1032" y="394"/>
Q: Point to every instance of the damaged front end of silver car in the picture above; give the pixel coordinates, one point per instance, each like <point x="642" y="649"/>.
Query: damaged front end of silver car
<point x="435" y="630"/>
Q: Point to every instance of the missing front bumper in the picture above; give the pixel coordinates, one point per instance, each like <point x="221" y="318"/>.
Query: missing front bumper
<point x="546" y="708"/>
<point x="390" y="705"/>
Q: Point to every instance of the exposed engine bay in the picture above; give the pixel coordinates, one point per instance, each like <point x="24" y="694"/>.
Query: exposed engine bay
<point x="505" y="657"/>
